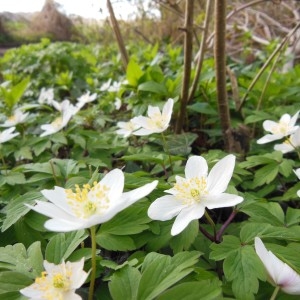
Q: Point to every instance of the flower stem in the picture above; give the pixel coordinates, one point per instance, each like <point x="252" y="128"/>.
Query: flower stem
<point x="53" y="172"/>
<point x="3" y="160"/>
<point x="93" y="271"/>
<point x="168" y="151"/>
<point x="212" y="223"/>
<point x="225" y="225"/>
<point x="275" y="293"/>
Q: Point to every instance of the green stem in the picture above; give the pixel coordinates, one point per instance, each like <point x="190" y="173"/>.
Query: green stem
<point x="3" y="160"/>
<point x="53" y="172"/>
<point x="212" y="223"/>
<point x="275" y="293"/>
<point x="93" y="271"/>
<point x="168" y="151"/>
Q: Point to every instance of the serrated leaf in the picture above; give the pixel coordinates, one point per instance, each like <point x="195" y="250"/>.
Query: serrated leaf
<point x="159" y="272"/>
<point x="12" y="178"/>
<point x="229" y="245"/>
<point x="66" y="166"/>
<point x="180" y="144"/>
<point x="265" y="174"/>
<point x="13" y="281"/>
<point x="16" y="208"/>
<point x="62" y="245"/>
<point x="271" y="213"/>
<point x="203" y="108"/>
<point x="124" y="284"/>
<point x="209" y="290"/>
<point x="243" y="267"/>
<point x="286" y="167"/>
<point x="16" y="258"/>
<point x="292" y="216"/>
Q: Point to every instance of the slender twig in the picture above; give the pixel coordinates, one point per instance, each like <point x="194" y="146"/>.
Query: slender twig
<point x="266" y="64"/>
<point x="201" y="50"/>
<point x="225" y="225"/>
<point x="53" y="172"/>
<point x="188" y="45"/>
<point x="116" y="29"/>
<point x="205" y="233"/>
<point x="211" y="222"/>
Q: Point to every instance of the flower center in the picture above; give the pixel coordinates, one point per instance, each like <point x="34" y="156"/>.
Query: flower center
<point x="57" y="122"/>
<point x="53" y="286"/>
<point x="191" y="191"/>
<point x="281" y="128"/>
<point x="88" y="200"/>
<point x="156" y="121"/>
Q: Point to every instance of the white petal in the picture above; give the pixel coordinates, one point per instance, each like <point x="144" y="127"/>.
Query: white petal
<point x="286" y="118"/>
<point x="52" y="211"/>
<point x="62" y="225"/>
<point x="188" y="214"/>
<point x="284" y="147"/>
<point x="269" y="138"/>
<point x="221" y="200"/>
<point x="57" y="197"/>
<point x="153" y="110"/>
<point x="115" y="181"/>
<point x="220" y="175"/>
<point x="141" y="121"/>
<point x="167" y="110"/>
<point x="139" y="193"/>
<point x="196" y="166"/>
<point x="165" y="208"/>
<point x="269" y="125"/>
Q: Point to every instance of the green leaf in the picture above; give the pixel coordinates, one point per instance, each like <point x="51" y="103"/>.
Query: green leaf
<point x="184" y="240"/>
<point x="67" y="167"/>
<point x="12" y="178"/>
<point x="243" y="267"/>
<point x="124" y="283"/>
<point x="16" y="208"/>
<point x="229" y="245"/>
<point x="153" y="87"/>
<point x="115" y="242"/>
<point x="271" y="213"/>
<point x="133" y="73"/>
<point x="62" y="245"/>
<point x="209" y="290"/>
<point x="203" y="108"/>
<point x="265" y="174"/>
<point x="132" y="220"/>
<point x="16" y="258"/>
<point x="180" y="144"/>
<point x="13" y="281"/>
<point x="292" y="216"/>
<point x="286" y="167"/>
<point x="159" y="272"/>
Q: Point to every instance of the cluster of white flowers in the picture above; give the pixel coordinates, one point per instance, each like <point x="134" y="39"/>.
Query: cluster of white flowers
<point x="156" y="122"/>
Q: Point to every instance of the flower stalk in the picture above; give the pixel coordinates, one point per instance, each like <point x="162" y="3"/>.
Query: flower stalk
<point x="94" y="267"/>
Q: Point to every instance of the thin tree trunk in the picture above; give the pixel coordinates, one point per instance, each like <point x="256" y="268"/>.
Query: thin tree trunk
<point x="220" y="66"/>
<point x="115" y="26"/>
<point x="188" y="45"/>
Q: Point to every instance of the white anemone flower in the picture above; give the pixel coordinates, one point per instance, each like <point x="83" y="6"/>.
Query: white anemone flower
<point x="297" y="172"/>
<point x="8" y="134"/>
<point x="57" y="282"/>
<point x="46" y="96"/>
<point x="280" y="274"/>
<point x="290" y="144"/>
<point x="85" y="98"/>
<point x="156" y="121"/>
<point x="191" y="195"/>
<point x="58" y="124"/>
<point x="285" y="127"/>
<point x="127" y="128"/>
<point x="89" y="205"/>
<point x="17" y="118"/>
